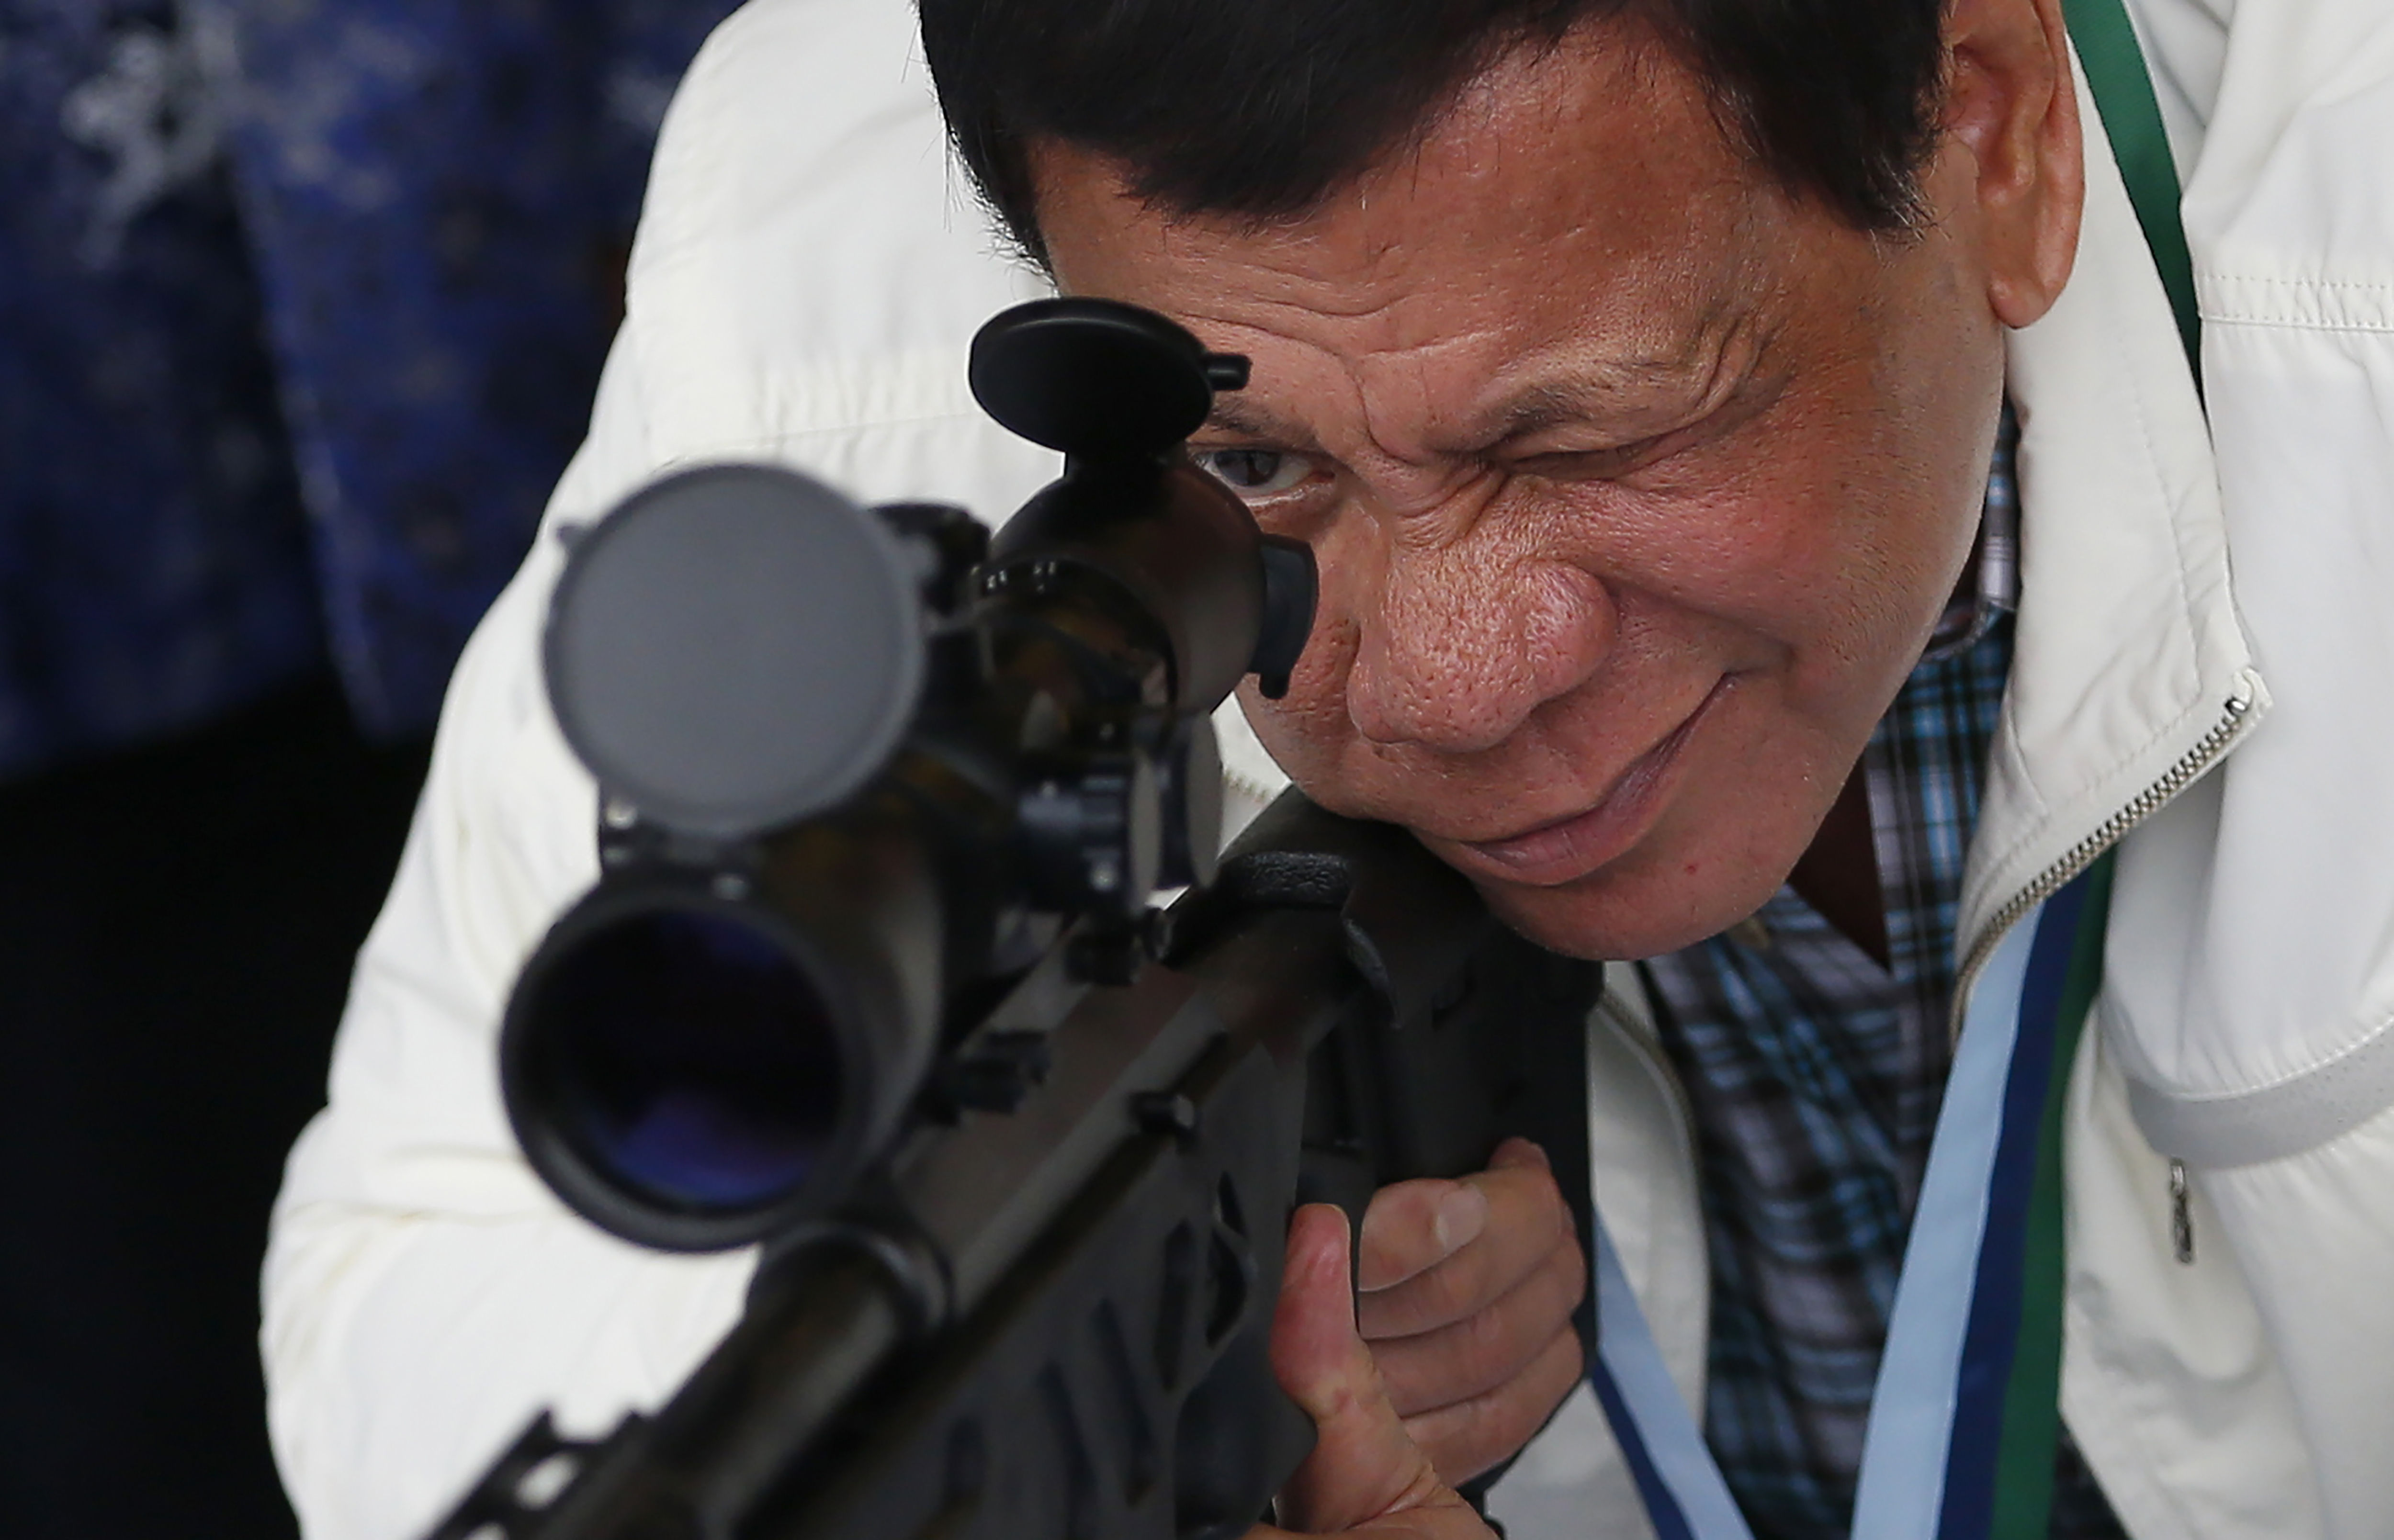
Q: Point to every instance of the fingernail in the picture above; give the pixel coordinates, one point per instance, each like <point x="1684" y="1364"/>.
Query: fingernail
<point x="1462" y="1215"/>
<point x="1518" y="1151"/>
<point x="1330" y="1247"/>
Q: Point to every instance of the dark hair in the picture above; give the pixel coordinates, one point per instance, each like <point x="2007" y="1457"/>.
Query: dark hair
<point x="1262" y="107"/>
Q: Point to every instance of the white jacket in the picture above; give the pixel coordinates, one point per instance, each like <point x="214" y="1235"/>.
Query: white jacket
<point x="808" y="271"/>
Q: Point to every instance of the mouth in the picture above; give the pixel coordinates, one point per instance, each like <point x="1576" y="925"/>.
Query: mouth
<point x="1551" y="854"/>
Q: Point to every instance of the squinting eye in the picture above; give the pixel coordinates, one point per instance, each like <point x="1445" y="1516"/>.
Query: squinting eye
<point x="1254" y="473"/>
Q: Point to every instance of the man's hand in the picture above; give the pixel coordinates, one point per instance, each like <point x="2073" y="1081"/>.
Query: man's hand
<point x="1365" y="1476"/>
<point x="1467" y="1290"/>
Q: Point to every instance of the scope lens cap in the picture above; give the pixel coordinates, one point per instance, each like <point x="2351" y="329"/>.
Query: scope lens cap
<point x="735" y="648"/>
<point x="1096" y="378"/>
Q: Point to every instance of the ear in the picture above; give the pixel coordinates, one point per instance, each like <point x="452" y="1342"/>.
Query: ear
<point x="2011" y="110"/>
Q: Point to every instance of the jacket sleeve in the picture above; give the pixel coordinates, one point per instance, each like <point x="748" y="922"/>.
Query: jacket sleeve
<point x="805" y="280"/>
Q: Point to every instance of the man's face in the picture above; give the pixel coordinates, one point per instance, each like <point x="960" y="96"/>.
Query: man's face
<point x="1636" y="483"/>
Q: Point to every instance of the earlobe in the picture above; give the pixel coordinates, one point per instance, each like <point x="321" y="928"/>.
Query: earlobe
<point x="2011" y="104"/>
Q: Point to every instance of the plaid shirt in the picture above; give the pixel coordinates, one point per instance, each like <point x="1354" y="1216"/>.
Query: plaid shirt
<point x="1815" y="1075"/>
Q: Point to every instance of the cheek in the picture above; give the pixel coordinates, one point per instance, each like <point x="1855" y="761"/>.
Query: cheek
<point x="1830" y="536"/>
<point x="1757" y="574"/>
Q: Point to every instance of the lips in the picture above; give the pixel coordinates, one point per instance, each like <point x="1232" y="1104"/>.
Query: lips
<point x="1568" y="849"/>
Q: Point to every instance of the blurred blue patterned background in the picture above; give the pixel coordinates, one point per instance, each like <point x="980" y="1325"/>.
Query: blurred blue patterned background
<point x="304" y="301"/>
<point x="302" y="305"/>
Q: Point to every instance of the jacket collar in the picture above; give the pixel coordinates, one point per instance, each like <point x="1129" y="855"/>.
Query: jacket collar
<point x="2131" y="670"/>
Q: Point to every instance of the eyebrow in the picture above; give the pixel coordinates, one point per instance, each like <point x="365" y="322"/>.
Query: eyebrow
<point x="1232" y="416"/>
<point x="1587" y="393"/>
<point x="1537" y="407"/>
<point x="1551" y="403"/>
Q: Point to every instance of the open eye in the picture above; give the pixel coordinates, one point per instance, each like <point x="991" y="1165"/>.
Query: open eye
<point x="1254" y="473"/>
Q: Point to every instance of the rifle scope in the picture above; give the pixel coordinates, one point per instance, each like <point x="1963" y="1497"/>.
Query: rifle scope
<point x="857" y="767"/>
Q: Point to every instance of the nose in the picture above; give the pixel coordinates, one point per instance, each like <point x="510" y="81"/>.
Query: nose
<point x="1459" y="643"/>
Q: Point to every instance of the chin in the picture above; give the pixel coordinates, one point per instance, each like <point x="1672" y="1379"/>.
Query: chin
<point x="1639" y="911"/>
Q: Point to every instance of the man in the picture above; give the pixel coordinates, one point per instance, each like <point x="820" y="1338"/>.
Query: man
<point x="1634" y="370"/>
<point x="1636" y="376"/>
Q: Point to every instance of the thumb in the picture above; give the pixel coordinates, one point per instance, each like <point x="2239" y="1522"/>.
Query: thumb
<point x="1363" y="1465"/>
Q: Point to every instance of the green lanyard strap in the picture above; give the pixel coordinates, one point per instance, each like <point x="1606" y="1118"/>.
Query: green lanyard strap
<point x="2031" y="1419"/>
<point x="2030" y="1438"/>
<point x="2132" y="120"/>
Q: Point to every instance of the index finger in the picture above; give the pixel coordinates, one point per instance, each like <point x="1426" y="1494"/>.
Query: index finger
<point x="1411" y="1227"/>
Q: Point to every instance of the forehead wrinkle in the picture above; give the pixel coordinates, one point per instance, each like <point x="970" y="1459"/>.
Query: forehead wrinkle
<point x="1300" y="272"/>
<point x="1405" y="414"/>
<point x="1379" y="379"/>
<point x="1406" y="420"/>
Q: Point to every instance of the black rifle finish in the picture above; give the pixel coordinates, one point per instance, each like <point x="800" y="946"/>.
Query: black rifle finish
<point x="1053" y="1322"/>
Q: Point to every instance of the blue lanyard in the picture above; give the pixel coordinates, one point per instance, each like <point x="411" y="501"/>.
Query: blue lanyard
<point x="1928" y="1454"/>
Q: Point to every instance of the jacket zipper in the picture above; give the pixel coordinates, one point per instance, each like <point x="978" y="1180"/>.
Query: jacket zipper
<point x="2179" y="776"/>
<point x="2182" y="1215"/>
